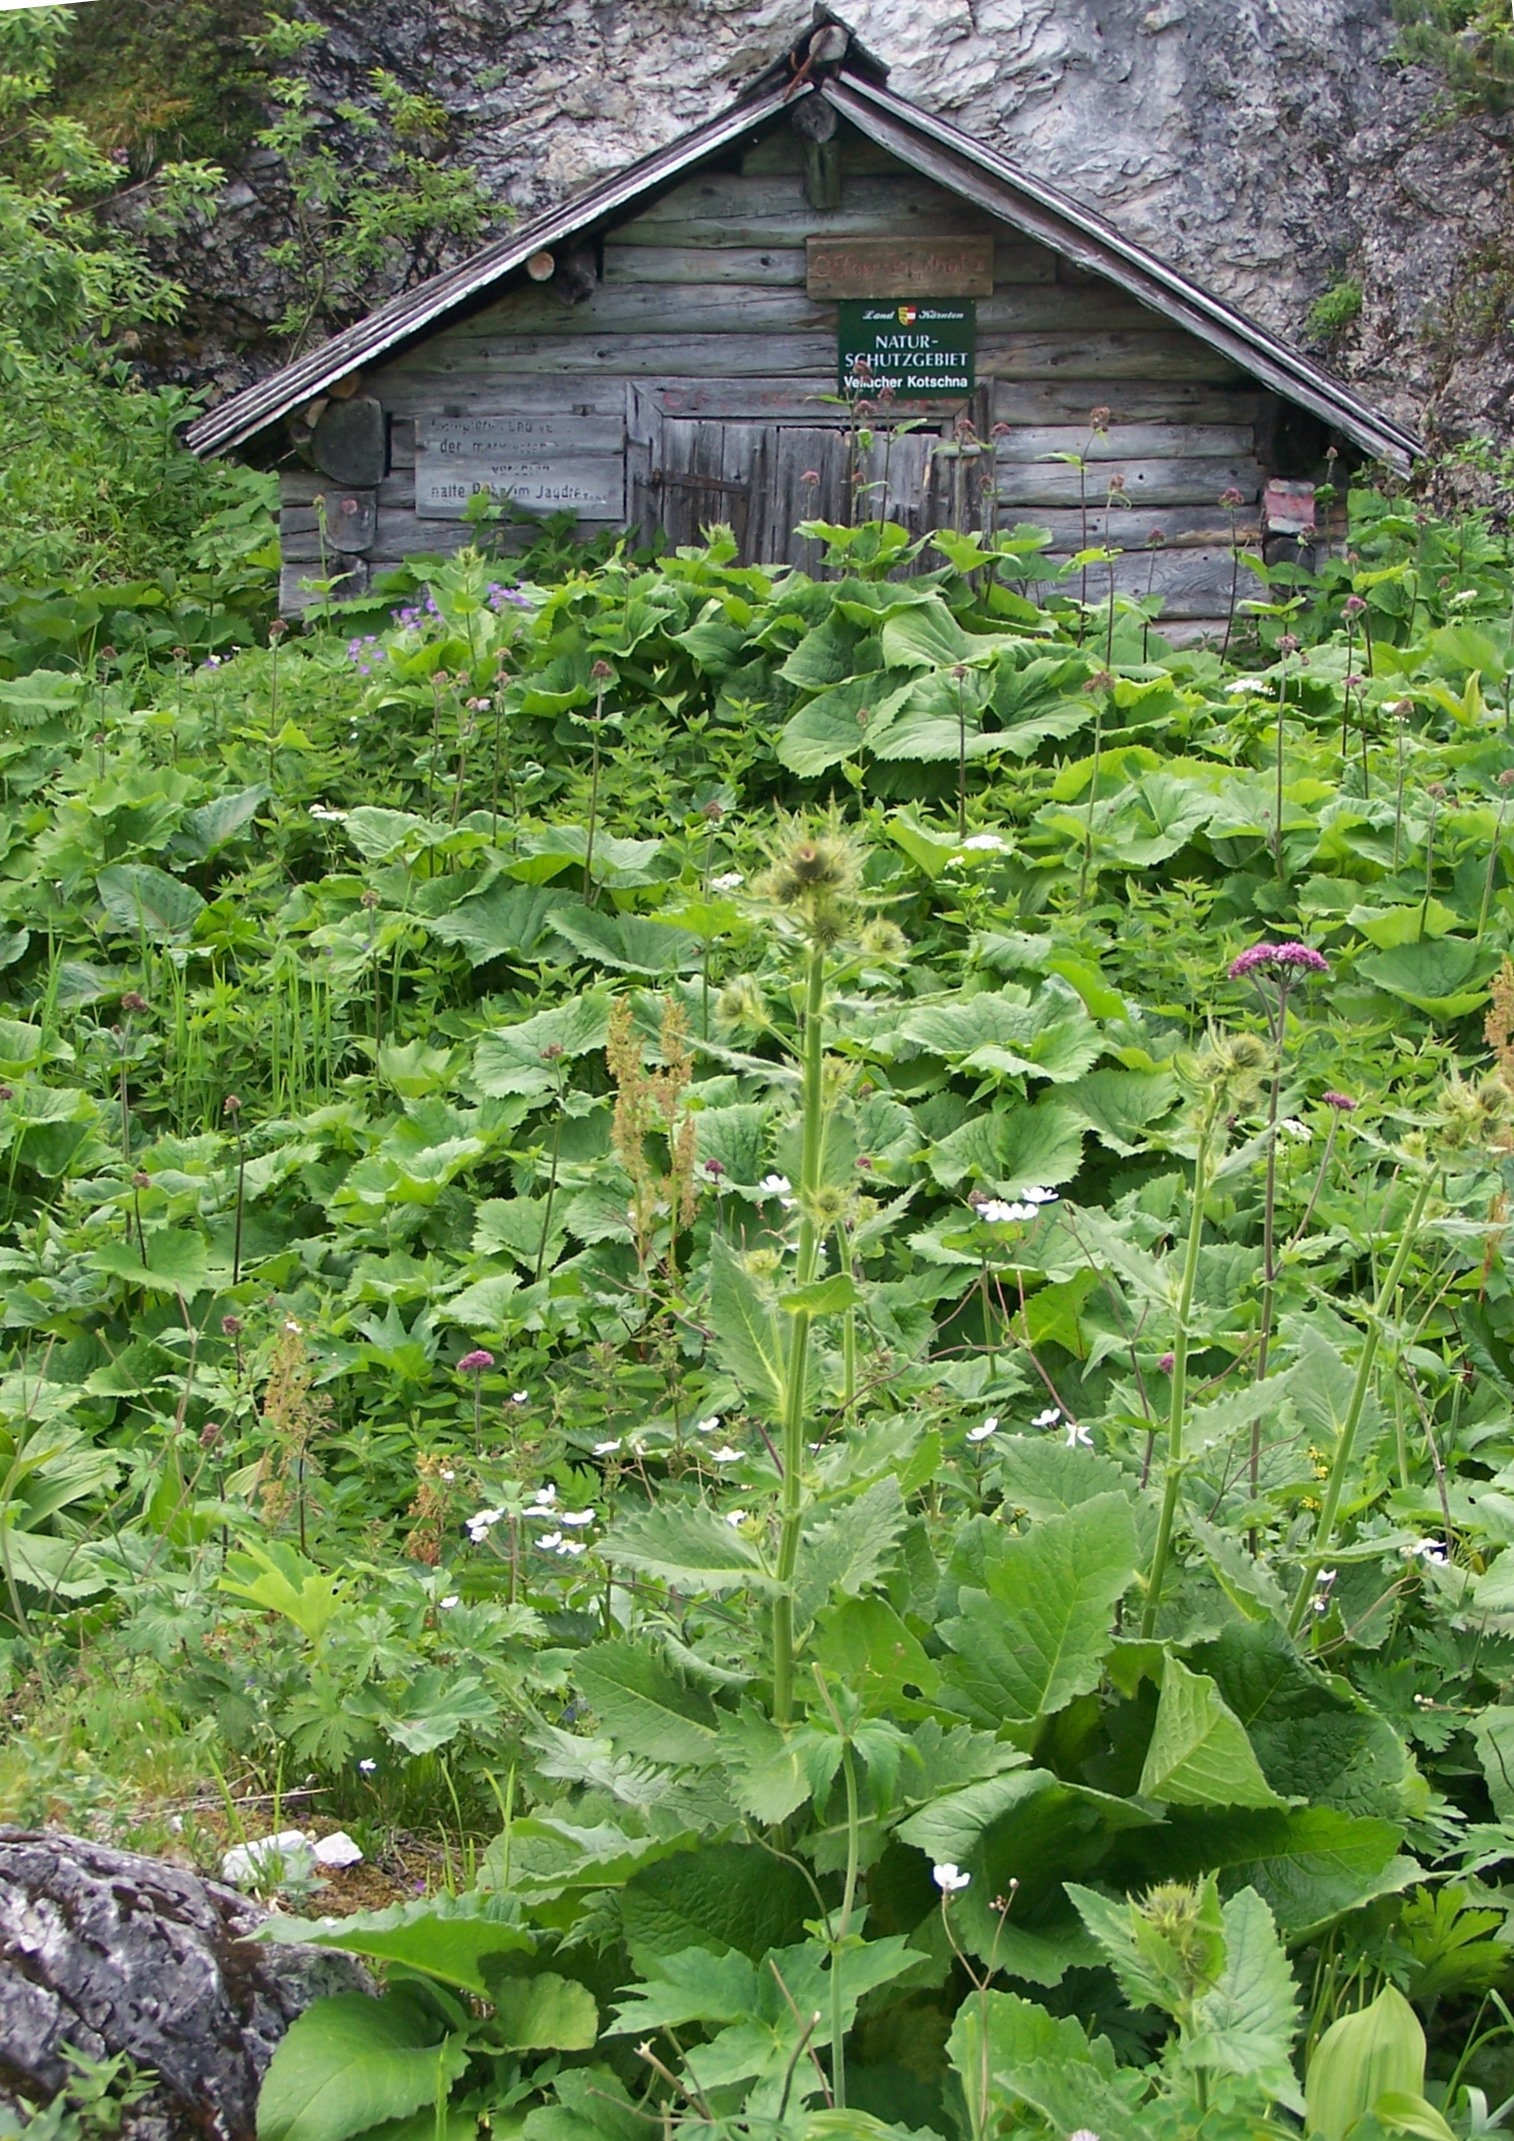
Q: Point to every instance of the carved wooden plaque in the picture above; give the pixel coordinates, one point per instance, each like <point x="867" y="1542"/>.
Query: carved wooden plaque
<point x="900" y="267"/>
<point x="550" y="464"/>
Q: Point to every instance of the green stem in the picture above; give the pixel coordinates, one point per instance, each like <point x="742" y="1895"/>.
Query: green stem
<point x="843" y="1927"/>
<point x="1340" y="1463"/>
<point x="791" y="1506"/>
<point x="1179" y="1377"/>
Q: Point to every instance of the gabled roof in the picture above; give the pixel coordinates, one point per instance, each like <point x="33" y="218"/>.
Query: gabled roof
<point x="854" y="86"/>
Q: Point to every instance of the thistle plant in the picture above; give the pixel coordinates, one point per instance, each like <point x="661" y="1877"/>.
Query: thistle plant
<point x="812" y="885"/>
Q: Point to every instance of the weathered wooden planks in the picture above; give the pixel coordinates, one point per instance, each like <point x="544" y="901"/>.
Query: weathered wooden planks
<point x="1123" y="442"/>
<point x="727" y="209"/>
<point x="1115" y="527"/>
<point x="780" y="266"/>
<point x="1131" y="401"/>
<point x="1191" y="583"/>
<point x="1151" y="483"/>
<point x="639" y="308"/>
<point x="1105" y="358"/>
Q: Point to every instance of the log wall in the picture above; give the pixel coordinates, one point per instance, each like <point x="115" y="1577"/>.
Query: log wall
<point x="700" y="365"/>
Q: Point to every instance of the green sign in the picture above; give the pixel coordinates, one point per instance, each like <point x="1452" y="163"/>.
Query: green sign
<point x="914" y="345"/>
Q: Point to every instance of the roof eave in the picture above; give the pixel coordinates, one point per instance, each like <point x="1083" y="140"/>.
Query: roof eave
<point x="232" y="423"/>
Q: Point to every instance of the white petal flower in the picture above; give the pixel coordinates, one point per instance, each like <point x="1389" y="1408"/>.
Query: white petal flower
<point x="1078" y="1437"/>
<point x="446" y="1604"/>
<point x="603" y="1449"/>
<point x="985" y="843"/>
<point x="550" y="1541"/>
<point x="989" y="1427"/>
<point x="778" y="1186"/>
<point x="571" y="1546"/>
<point x="950" y="1879"/>
<point x="577" y="1518"/>
<point x="734" y="1517"/>
<point x="546" y="1496"/>
<point x="727" y="881"/>
<point x="1428" y="1550"/>
<point x="1247" y="686"/>
<point x="707" y="1427"/>
<point x="367" y="1765"/>
<point x="725" y="1456"/>
<point x="1049" y="1418"/>
<point x="1292" y="1127"/>
<point x="1036" y="1195"/>
<point x="999" y="1214"/>
<point x="519" y="1397"/>
<point x="448" y="1474"/>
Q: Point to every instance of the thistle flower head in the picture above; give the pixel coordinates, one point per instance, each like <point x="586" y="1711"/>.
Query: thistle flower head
<point x="1341" y="1101"/>
<point x="1278" y="960"/>
<point x="476" y="1362"/>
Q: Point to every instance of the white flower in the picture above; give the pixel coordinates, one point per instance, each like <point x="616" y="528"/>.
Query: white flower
<point x="571" y="1546"/>
<point x="550" y="1541"/>
<point x="989" y="1427"/>
<point x="519" y="1397"/>
<point x="446" y="1604"/>
<point x="291" y="1325"/>
<point x="1292" y="1127"/>
<point x="545" y="1496"/>
<point x="1428" y="1550"/>
<point x="1049" y="1418"/>
<point x="1078" y="1436"/>
<point x="367" y="1765"/>
<point x="577" y="1517"/>
<point x="1000" y="1214"/>
<point x="603" y="1449"/>
<point x="1036" y="1195"/>
<point x="725" y="1456"/>
<point x="950" y="1879"/>
<point x="448" y="1474"/>
<point x="734" y="1517"/>
<point x="1246" y="686"/>
<point x="482" y="1522"/>
<point x="727" y="881"/>
<point x="778" y="1186"/>
<point x="985" y="843"/>
<point x="327" y="815"/>
<point x="707" y="1427"/>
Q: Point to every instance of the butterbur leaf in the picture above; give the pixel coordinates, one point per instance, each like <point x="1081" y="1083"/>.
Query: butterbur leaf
<point x="349" y="2063"/>
<point x="1199" y="1753"/>
<point x="545" y="2013"/>
<point x="140" y="901"/>
<point x="448" y="1937"/>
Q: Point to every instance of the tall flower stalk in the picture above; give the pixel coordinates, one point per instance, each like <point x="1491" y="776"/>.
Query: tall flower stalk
<point x="812" y="883"/>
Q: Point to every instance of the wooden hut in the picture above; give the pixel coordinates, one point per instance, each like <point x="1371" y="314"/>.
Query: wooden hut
<point x="684" y="343"/>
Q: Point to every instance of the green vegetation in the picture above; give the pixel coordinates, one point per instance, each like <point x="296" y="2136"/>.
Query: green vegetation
<point x="1336" y="310"/>
<point x="884" y="1422"/>
<point x="1470" y="42"/>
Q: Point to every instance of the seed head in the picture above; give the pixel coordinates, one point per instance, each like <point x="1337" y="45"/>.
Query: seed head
<point x="1353" y="605"/>
<point x="231" y="1106"/>
<point x="1232" y="498"/>
<point x="141" y="1180"/>
<point x="131" y="1001"/>
<point x="1099" y="418"/>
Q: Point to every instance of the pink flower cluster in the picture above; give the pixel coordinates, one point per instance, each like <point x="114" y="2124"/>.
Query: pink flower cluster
<point x="1278" y="959"/>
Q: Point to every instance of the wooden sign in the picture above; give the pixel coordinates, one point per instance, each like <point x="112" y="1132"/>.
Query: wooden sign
<point x="549" y="464"/>
<point x="908" y="267"/>
<point x="910" y="348"/>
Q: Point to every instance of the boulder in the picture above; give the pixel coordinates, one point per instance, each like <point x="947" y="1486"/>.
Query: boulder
<point x="109" y="1952"/>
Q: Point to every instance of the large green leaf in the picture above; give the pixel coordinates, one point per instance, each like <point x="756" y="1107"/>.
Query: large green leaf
<point x="140" y="901"/>
<point x="507" y="921"/>
<point x="527" y="1058"/>
<point x="448" y="1937"/>
<point x="1048" y="1035"/>
<point x="750" y="1343"/>
<point x="689" y="1547"/>
<point x="204" y="831"/>
<point x="1444" y="976"/>
<point x="545" y="2013"/>
<point x="645" y="1707"/>
<point x="720" y="1896"/>
<point x="630" y="943"/>
<point x="349" y="2063"/>
<point x="1245" y="2025"/>
<point x="1036" y="1636"/>
<point x="1199" y="1753"/>
<point x="1310" y="1865"/>
<point x="847" y="1551"/>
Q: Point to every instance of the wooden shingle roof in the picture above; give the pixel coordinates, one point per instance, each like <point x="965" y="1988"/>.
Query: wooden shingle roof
<point x="856" y="88"/>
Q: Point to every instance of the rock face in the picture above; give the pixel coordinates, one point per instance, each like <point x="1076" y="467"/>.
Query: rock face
<point x="1273" y="148"/>
<point x="109" y="1952"/>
